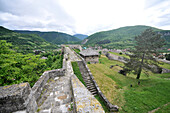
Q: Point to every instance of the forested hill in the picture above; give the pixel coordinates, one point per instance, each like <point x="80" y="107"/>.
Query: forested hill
<point x="24" y="42"/>
<point x="80" y="36"/>
<point x="123" y="37"/>
<point x="53" y="37"/>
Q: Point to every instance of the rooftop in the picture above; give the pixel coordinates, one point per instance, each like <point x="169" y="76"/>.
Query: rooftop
<point x="89" y="52"/>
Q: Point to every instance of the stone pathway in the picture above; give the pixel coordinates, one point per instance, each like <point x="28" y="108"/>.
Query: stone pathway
<point x="72" y="56"/>
<point x="57" y="94"/>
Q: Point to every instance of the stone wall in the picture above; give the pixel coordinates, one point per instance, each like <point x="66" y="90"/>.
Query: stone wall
<point x="115" y="57"/>
<point x="75" y="47"/>
<point x="92" y="59"/>
<point x="154" y="69"/>
<point x="105" y="100"/>
<point x="165" y="70"/>
<point x="17" y="97"/>
<point x="20" y="97"/>
<point x="162" y="60"/>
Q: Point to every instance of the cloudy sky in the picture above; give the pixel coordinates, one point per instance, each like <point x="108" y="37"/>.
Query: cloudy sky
<point x="83" y="16"/>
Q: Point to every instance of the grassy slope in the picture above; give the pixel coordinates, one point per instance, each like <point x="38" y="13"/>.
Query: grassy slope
<point x="122" y="37"/>
<point x="151" y="94"/>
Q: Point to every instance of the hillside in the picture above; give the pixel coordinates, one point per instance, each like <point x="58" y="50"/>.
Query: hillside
<point x="53" y="37"/>
<point x="80" y="36"/>
<point x="123" y="37"/>
<point x="24" y="42"/>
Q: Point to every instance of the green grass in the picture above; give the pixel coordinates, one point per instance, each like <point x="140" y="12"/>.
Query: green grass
<point x="77" y="51"/>
<point x="122" y="55"/>
<point x="164" y="109"/>
<point x="153" y="91"/>
<point x="102" y="103"/>
<point x="165" y="65"/>
<point x="77" y="72"/>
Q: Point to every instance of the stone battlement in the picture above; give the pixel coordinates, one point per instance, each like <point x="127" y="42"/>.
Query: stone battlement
<point x="17" y="97"/>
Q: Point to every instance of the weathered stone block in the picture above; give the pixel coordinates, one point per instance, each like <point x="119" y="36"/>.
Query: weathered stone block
<point x="17" y="97"/>
<point x="165" y="70"/>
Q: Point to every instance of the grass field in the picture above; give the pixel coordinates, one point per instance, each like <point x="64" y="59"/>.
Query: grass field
<point x="164" y="65"/>
<point x="153" y="91"/>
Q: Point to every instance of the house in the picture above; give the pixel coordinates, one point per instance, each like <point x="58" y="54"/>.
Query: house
<point x="90" y="55"/>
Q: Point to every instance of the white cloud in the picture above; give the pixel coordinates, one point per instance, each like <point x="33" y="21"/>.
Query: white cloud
<point x="35" y="15"/>
<point x="83" y="16"/>
<point x="158" y="13"/>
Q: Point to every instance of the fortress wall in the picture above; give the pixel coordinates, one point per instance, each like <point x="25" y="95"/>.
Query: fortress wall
<point x="115" y="57"/>
<point x="105" y="100"/>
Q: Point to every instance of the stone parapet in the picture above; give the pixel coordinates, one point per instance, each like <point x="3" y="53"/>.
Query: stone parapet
<point x="115" y="57"/>
<point x="84" y="101"/>
<point x="39" y="85"/>
<point x="17" y="97"/>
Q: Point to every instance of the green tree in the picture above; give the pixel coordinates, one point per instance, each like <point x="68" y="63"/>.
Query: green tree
<point x="16" y="67"/>
<point x="141" y="56"/>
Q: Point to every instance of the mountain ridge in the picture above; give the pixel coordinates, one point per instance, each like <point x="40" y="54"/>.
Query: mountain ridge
<point x="24" y="43"/>
<point x="80" y="36"/>
<point x="122" y="37"/>
<point x="52" y="36"/>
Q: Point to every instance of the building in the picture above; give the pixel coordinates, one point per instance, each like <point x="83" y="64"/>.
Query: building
<point x="75" y="47"/>
<point x="90" y="55"/>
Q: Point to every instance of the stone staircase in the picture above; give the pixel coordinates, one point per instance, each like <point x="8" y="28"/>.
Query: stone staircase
<point x="88" y="81"/>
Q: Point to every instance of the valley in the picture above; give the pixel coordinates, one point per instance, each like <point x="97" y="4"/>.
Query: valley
<point x="30" y="55"/>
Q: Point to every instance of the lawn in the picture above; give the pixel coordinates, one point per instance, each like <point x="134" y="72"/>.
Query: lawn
<point x="153" y="91"/>
<point x="77" y="51"/>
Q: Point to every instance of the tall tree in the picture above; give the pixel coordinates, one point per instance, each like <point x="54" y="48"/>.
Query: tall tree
<point x="141" y="56"/>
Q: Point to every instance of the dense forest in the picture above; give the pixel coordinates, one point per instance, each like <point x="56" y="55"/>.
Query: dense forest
<point x="24" y="57"/>
<point x="17" y="67"/>
<point x="53" y="37"/>
<point x="25" y="43"/>
<point x="123" y="38"/>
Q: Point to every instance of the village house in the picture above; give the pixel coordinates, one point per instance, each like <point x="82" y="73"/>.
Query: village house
<point x="90" y="55"/>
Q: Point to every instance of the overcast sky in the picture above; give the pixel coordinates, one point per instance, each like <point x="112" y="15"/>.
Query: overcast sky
<point x="83" y="16"/>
